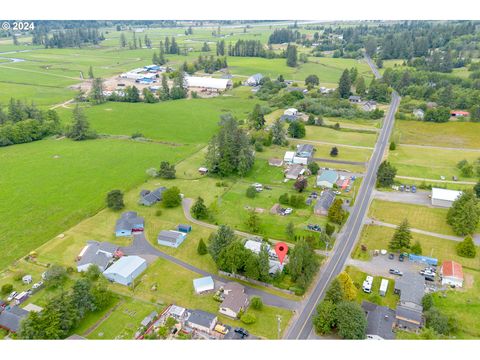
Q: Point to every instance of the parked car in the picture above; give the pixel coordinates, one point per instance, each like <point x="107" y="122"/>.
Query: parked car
<point x="288" y="211"/>
<point x="401" y="257"/>
<point x="402" y="187"/>
<point x="242" y="332"/>
<point x="12" y="296"/>
<point x="314" y="227"/>
<point x="407" y="188"/>
<point x="414" y="189"/>
<point x="391" y="256"/>
<point x="395" y="272"/>
<point x="430" y="278"/>
<point x="336" y="192"/>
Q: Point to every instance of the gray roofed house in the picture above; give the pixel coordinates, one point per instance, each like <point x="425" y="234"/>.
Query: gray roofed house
<point x="305" y="150"/>
<point x="380" y="321"/>
<point x="254" y="79"/>
<point x="369" y="105"/>
<point x="411" y="287"/>
<point x="10" y="319"/>
<point x="288" y="118"/>
<point x="128" y="223"/>
<point x="235" y="300"/>
<point x="96" y="253"/>
<point x="409" y="316"/>
<point x="148" y="319"/>
<point x="324" y="202"/>
<point x="294" y="171"/>
<point x="355" y="99"/>
<point x="148" y="198"/>
<point x="201" y="320"/>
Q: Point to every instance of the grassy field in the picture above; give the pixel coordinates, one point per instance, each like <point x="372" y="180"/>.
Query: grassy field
<point x="450" y="134"/>
<point x="319" y="133"/>
<point x="419" y="217"/>
<point x="358" y="276"/>
<point x="430" y="164"/>
<point x="69" y="183"/>
<point x="189" y="121"/>
<point x="378" y="237"/>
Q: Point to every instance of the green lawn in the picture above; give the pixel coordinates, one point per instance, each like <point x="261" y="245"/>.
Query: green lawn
<point x="320" y="133"/>
<point x="378" y="237"/>
<point x="430" y="163"/>
<point x="69" y="184"/>
<point x="420" y="217"/>
<point x="358" y="276"/>
<point x="450" y="134"/>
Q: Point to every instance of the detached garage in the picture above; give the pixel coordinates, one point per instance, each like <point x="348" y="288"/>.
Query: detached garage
<point x="444" y="197"/>
<point x="125" y="270"/>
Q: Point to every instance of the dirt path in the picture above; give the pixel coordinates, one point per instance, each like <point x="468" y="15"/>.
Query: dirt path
<point x="42" y="72"/>
<point x="64" y="104"/>
<point x="440" y="147"/>
<point x="330" y="143"/>
<point x="102" y="319"/>
<point x="437" y="181"/>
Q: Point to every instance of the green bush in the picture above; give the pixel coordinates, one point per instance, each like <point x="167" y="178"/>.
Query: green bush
<point x="329" y="229"/>
<point x="18" y="275"/>
<point x="466" y="248"/>
<point x="7" y="288"/>
<point x="248" y="318"/>
<point x="256" y="303"/>
<point x="251" y="192"/>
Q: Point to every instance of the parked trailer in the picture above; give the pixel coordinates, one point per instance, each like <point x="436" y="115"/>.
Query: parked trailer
<point x="383" y="287"/>
<point x="367" y="284"/>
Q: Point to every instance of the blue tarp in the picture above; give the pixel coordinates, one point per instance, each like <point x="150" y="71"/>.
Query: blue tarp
<point x="423" y="259"/>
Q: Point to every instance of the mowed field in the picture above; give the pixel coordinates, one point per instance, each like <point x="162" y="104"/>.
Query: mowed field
<point x="48" y="186"/>
<point x="450" y="134"/>
<point x="430" y="163"/>
<point x="189" y="120"/>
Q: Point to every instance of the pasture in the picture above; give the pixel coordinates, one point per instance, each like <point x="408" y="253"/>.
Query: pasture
<point x="341" y="137"/>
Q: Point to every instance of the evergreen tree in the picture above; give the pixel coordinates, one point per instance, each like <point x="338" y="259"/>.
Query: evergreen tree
<point x="202" y="248"/>
<point x="251" y="269"/>
<point x="233" y="257"/>
<point x="253" y="222"/>
<point x="199" y="210"/>
<point x="264" y="264"/>
<point x="464" y="215"/>
<point x="416" y="248"/>
<point x="256" y="118"/>
<point x="123" y="40"/>
<point x="351" y="320"/>
<point x="402" y="237"/>
<point x="80" y="129"/>
<point x="466" y="248"/>
<point x="336" y="214"/>
<point x="171" y="197"/>
<point x="334" y="151"/>
<point x="164" y="91"/>
<point x="220" y="240"/>
<point x="90" y="72"/>
<point x="205" y="47"/>
<point x="291" y="55"/>
<point x="290" y="231"/>
<point x="303" y="264"/>
<point x="360" y="87"/>
<point x="167" y="170"/>
<point x="115" y="200"/>
<point x="278" y="133"/>
<point x="386" y="174"/>
<point x="325" y="318"/>
<point x="296" y="129"/>
<point x="96" y="94"/>
<point x="335" y="292"/>
<point x="476" y="189"/>
<point x="312" y="80"/>
<point x="344" y="85"/>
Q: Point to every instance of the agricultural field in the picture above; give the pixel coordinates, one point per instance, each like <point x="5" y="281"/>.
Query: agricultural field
<point x="430" y="164"/>
<point x="451" y="134"/>
<point x="378" y="237"/>
<point x="341" y="137"/>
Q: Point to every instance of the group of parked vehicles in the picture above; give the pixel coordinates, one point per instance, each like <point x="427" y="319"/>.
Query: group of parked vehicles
<point x="406" y="188"/>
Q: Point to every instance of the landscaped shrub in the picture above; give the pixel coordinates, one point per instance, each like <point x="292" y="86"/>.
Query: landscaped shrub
<point x="7" y="288"/>
<point x="251" y="192"/>
<point x="248" y="318"/>
<point x="256" y="303"/>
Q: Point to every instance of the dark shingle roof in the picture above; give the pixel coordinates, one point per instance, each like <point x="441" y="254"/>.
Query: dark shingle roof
<point x="128" y="221"/>
<point x="411" y="287"/>
<point x="10" y="319"/>
<point x="380" y="320"/>
<point x="325" y="200"/>
<point x="169" y="236"/>
<point x="151" y="197"/>
<point x="201" y="318"/>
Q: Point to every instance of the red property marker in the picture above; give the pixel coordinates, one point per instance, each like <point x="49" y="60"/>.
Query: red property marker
<point x="281" y="249"/>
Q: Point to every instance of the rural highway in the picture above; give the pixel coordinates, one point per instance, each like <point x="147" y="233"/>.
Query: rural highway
<point x="301" y="326"/>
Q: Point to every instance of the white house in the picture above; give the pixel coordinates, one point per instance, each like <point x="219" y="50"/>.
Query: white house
<point x="289" y="157"/>
<point x="235" y="300"/>
<point x="444" y="197"/>
<point x="254" y="80"/>
<point x="291" y="112"/>
<point x="452" y="273"/>
<point x="125" y="270"/>
<point x="207" y="83"/>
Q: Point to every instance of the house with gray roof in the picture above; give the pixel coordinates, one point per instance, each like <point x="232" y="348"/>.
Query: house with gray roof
<point x="129" y="223"/>
<point x="355" y="99"/>
<point x="171" y="238"/>
<point x="305" y="150"/>
<point x="254" y="80"/>
<point x="324" y="202"/>
<point x="294" y="171"/>
<point x="148" y="198"/>
<point x="201" y="320"/>
<point x="10" y="319"/>
<point x="149" y="319"/>
<point x="96" y="253"/>
<point x="411" y="288"/>
<point x="380" y="321"/>
<point x="235" y="300"/>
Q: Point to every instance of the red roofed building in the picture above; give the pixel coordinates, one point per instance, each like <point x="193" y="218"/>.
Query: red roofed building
<point x="459" y="113"/>
<point x="452" y="274"/>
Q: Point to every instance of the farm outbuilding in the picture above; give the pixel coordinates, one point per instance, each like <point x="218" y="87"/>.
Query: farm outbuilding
<point x="201" y="320"/>
<point x="444" y="197"/>
<point x="254" y="80"/>
<point x="126" y="270"/>
<point x="171" y="238"/>
<point x="452" y="274"/>
<point x="185" y="228"/>
<point x="204" y="284"/>
<point x="208" y="83"/>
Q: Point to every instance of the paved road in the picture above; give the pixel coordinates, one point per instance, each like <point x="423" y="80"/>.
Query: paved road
<point x="142" y="247"/>
<point x="301" y="327"/>
<point x="417" y="198"/>
<point x="373" y="67"/>
<point x="476" y="237"/>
